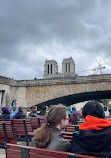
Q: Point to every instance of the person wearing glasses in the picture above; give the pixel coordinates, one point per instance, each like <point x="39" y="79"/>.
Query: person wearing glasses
<point x="49" y="136"/>
<point x="94" y="135"/>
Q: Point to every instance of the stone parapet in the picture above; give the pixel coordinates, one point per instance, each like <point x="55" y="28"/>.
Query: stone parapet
<point x="56" y="80"/>
<point x="7" y="81"/>
<point x="65" y="80"/>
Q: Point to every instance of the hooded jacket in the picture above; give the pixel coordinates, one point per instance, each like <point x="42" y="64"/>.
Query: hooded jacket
<point x="94" y="137"/>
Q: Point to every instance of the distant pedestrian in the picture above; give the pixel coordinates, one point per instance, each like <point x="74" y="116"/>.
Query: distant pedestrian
<point x="20" y="114"/>
<point x="74" y="111"/>
<point x="106" y="111"/>
<point x="80" y="113"/>
<point x="8" y="113"/>
<point x="33" y="113"/>
<point x="43" y="110"/>
<point x="68" y="109"/>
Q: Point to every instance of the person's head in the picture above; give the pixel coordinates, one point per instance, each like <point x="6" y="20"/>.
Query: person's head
<point x="20" y="109"/>
<point x="5" y="110"/>
<point x="93" y="108"/>
<point x="73" y="108"/>
<point x="105" y="108"/>
<point x="34" y="109"/>
<point x="56" y="117"/>
<point x="44" y="108"/>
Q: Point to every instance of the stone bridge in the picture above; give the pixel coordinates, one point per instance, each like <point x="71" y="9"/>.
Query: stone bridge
<point x="53" y="91"/>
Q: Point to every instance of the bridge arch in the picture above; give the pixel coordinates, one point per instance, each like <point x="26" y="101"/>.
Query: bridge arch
<point x="66" y="90"/>
<point x="80" y="97"/>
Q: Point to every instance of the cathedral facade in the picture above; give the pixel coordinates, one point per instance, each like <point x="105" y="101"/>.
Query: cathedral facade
<point x="51" y="68"/>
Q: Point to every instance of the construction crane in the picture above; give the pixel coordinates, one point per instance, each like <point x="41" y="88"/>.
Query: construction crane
<point x="94" y="70"/>
<point x="99" y="68"/>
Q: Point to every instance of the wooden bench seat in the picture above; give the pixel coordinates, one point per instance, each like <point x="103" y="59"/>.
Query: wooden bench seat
<point x="35" y="121"/>
<point x="80" y="122"/>
<point x="67" y="135"/>
<point x="7" y="134"/>
<point x="72" y="128"/>
<point x="20" y="151"/>
<point x="23" y="126"/>
<point x="41" y="120"/>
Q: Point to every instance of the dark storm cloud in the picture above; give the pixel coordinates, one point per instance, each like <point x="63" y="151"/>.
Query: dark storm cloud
<point x="42" y="19"/>
<point x="33" y="30"/>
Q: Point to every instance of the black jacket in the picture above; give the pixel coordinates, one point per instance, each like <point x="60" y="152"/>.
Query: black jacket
<point x="20" y="115"/>
<point x="5" y="116"/>
<point x="94" y="142"/>
<point x="33" y="114"/>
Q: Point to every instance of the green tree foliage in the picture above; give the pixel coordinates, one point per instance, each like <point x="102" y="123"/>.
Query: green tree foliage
<point x="105" y="101"/>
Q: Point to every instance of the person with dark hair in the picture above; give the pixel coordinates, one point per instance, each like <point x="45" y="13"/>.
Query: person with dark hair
<point x="43" y="110"/>
<point x="33" y="113"/>
<point x="94" y="135"/>
<point x="20" y="114"/>
<point x="48" y="136"/>
<point x="8" y="113"/>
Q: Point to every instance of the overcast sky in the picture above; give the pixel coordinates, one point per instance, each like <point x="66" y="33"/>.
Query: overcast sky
<point x="32" y="31"/>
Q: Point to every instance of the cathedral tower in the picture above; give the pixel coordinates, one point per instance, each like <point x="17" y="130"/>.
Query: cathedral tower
<point x="50" y="68"/>
<point x="68" y="67"/>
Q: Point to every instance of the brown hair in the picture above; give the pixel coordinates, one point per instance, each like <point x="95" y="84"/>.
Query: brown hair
<point x="43" y="135"/>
